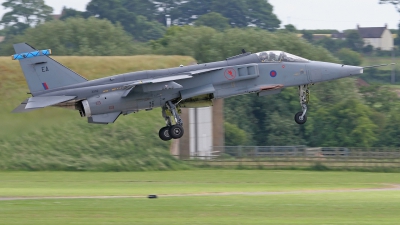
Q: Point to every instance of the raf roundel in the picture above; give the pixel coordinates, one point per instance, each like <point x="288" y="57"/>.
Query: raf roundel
<point x="230" y="73"/>
<point x="273" y="73"/>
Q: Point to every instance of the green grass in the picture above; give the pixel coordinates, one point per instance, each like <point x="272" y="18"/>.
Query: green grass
<point x="337" y="208"/>
<point x="59" y="139"/>
<point x="296" y="208"/>
<point x="183" y="182"/>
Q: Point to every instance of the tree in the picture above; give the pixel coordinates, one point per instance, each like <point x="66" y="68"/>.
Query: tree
<point x="241" y="13"/>
<point x="354" y="41"/>
<point x="145" y="30"/>
<point x="214" y="20"/>
<point x="77" y="36"/>
<point x="333" y="45"/>
<point x="69" y="12"/>
<point x="290" y="28"/>
<point x="25" y="13"/>
<point x="396" y="3"/>
<point x="234" y="135"/>
<point x="165" y="7"/>
<point x="368" y="49"/>
<point x="144" y="8"/>
<point x="112" y="10"/>
<point x="349" y="57"/>
<point x="345" y="124"/>
<point x="260" y="13"/>
<point x="307" y="35"/>
<point x="135" y="18"/>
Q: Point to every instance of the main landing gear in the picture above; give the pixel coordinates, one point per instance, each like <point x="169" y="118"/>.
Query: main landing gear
<point x="171" y="131"/>
<point x="304" y="95"/>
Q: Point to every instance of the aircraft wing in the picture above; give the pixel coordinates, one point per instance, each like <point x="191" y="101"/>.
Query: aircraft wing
<point x="41" y="102"/>
<point x="164" y="82"/>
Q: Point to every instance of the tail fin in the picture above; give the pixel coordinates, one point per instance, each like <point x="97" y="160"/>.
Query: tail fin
<point x="42" y="72"/>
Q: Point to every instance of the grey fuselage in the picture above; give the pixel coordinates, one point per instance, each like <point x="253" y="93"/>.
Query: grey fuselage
<point x="237" y="75"/>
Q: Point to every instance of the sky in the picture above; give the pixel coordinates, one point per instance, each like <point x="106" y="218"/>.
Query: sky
<point x="304" y="14"/>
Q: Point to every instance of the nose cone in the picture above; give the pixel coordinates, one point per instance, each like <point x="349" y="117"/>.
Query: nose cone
<point x="324" y="71"/>
<point x="351" y="70"/>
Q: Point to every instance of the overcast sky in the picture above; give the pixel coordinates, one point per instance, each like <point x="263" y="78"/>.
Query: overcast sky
<point x="304" y="14"/>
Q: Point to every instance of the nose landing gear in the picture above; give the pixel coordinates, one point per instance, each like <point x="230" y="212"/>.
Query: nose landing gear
<point x="304" y="95"/>
<point x="171" y="131"/>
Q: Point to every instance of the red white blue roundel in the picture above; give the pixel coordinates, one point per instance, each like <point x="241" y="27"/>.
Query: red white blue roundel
<point x="273" y="73"/>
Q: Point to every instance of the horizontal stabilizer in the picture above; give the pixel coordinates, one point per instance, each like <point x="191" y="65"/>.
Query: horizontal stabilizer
<point x="41" y="102"/>
<point x="21" y="107"/>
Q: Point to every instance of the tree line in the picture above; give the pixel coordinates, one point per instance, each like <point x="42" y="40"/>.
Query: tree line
<point x="146" y="19"/>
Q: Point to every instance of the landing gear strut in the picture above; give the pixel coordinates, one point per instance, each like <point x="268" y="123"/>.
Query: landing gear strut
<point x="304" y="95"/>
<point x="171" y="131"/>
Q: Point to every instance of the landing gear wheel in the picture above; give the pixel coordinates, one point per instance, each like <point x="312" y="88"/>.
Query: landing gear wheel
<point x="176" y="131"/>
<point x="164" y="134"/>
<point x="299" y="119"/>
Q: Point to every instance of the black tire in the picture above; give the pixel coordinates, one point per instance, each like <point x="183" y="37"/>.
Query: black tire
<point x="164" y="134"/>
<point x="176" y="131"/>
<point x="298" y="120"/>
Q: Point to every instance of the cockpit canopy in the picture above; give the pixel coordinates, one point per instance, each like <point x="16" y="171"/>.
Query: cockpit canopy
<point x="279" y="56"/>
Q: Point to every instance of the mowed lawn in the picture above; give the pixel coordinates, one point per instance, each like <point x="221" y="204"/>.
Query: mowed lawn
<point x="183" y="182"/>
<point x="367" y="207"/>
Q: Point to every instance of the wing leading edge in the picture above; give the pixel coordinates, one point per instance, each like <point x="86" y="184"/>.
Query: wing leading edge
<point x="165" y="82"/>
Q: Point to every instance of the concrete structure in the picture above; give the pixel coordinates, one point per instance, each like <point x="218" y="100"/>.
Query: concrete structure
<point x="378" y="37"/>
<point x="204" y="129"/>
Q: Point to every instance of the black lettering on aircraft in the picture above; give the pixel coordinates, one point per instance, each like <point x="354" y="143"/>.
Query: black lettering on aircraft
<point x="45" y="69"/>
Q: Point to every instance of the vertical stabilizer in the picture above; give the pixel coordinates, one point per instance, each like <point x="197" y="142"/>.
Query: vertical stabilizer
<point x="42" y="72"/>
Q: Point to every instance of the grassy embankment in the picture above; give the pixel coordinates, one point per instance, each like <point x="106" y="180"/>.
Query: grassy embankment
<point x="308" y="207"/>
<point x="59" y="139"/>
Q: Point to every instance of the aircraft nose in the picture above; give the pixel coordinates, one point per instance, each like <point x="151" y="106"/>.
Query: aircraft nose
<point x="321" y="71"/>
<point x="351" y="70"/>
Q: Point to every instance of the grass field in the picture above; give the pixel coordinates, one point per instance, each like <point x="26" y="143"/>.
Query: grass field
<point x="299" y="201"/>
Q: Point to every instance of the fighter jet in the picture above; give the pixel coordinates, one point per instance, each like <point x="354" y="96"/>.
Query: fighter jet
<point x="103" y="100"/>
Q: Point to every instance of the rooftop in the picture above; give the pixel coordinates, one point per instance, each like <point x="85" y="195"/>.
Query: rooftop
<point x="371" y="32"/>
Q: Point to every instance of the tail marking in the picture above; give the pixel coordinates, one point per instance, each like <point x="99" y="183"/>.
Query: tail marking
<point x="27" y="55"/>
<point x="45" y="86"/>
